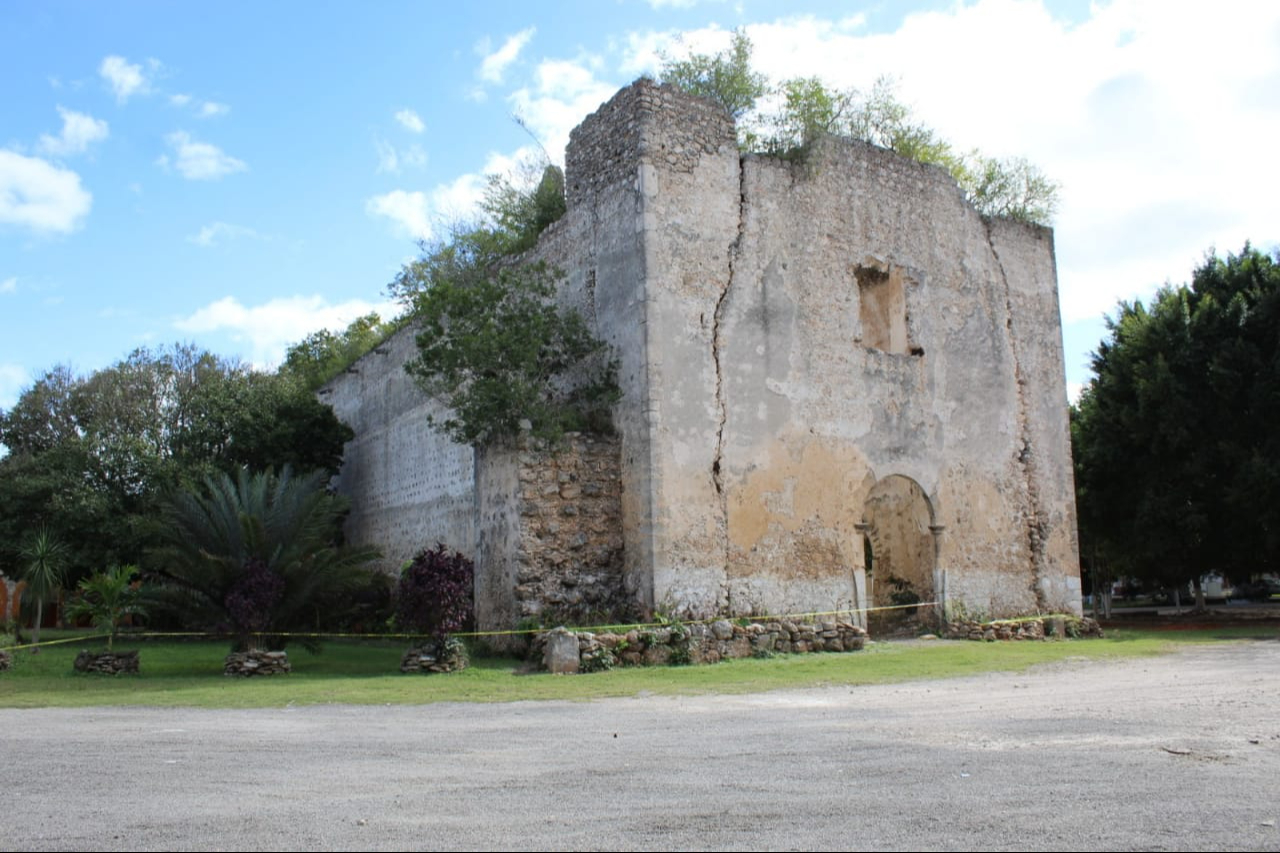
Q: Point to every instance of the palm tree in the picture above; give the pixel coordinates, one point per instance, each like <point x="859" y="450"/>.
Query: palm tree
<point x="256" y="554"/>
<point x="107" y="598"/>
<point x="45" y="557"/>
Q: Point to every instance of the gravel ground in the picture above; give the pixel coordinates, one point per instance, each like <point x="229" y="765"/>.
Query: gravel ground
<point x="1180" y="752"/>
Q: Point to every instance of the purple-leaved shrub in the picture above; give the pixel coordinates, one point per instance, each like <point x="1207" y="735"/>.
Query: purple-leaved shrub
<point x="436" y="595"/>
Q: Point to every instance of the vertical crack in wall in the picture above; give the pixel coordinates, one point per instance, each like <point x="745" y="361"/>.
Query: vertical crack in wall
<point x="1036" y="526"/>
<point x="722" y="408"/>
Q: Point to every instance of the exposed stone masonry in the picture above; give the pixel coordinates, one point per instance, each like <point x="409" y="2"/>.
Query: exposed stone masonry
<point x="564" y="651"/>
<point x="257" y="663"/>
<point x="106" y="663"/>
<point x="603" y="149"/>
<point x="1023" y="629"/>
<point x="569" y="554"/>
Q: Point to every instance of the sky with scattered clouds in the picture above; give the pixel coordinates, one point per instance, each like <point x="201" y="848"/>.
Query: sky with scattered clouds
<point x="241" y="179"/>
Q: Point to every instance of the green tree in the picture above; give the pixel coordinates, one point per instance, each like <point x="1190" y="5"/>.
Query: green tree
<point x="322" y="355"/>
<point x="106" y="599"/>
<point x="44" y="569"/>
<point x="1177" y="462"/>
<point x="91" y="456"/>
<point x="256" y="554"/>
<point x="725" y="77"/>
<point x="495" y="349"/>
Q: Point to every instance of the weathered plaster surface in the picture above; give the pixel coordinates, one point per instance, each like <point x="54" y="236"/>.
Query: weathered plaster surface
<point x="794" y="339"/>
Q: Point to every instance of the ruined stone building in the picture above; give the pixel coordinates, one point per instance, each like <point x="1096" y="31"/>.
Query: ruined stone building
<point x="843" y="387"/>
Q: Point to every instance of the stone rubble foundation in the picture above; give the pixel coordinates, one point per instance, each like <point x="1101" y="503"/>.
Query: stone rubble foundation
<point x="563" y="651"/>
<point x="432" y="656"/>
<point x="1023" y="629"/>
<point x="257" y="662"/>
<point x="106" y="663"/>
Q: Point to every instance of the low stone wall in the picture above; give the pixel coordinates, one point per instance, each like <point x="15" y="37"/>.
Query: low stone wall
<point x="106" y="663"/>
<point x="1023" y="629"/>
<point x="564" y="651"/>
<point x="449" y="656"/>
<point x="244" y="664"/>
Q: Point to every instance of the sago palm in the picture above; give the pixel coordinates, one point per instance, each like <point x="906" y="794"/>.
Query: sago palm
<point x="256" y="554"/>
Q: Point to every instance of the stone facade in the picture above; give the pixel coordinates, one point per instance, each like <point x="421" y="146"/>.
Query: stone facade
<point x="842" y="388"/>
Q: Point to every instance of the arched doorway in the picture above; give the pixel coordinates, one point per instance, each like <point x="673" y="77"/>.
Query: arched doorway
<point x="898" y="549"/>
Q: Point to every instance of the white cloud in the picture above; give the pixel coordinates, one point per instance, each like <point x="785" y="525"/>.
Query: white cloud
<point x="408" y="210"/>
<point x="388" y="159"/>
<point x="564" y="92"/>
<point x="200" y="109"/>
<point x="125" y="79"/>
<point x="391" y="159"/>
<point x="199" y="161"/>
<point x="421" y="215"/>
<point x="410" y="121"/>
<point x="221" y="232"/>
<point x="269" y="328"/>
<point x="79" y="131"/>
<point x="38" y="195"/>
<point x="495" y="64"/>
<point x="1158" y="157"/>
<point x="13" y="378"/>
<point x="9" y="285"/>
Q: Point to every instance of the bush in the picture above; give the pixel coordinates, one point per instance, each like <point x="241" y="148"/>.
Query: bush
<point x="436" y="593"/>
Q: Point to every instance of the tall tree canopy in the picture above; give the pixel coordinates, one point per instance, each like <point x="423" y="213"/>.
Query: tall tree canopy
<point x="90" y="456"/>
<point x="1177" y="452"/>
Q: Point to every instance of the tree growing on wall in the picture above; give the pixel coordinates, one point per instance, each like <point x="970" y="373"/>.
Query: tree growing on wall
<point x="1178" y="459"/>
<point x="726" y="77"/>
<point x="497" y="350"/>
<point x="799" y="111"/>
<point x="494" y="346"/>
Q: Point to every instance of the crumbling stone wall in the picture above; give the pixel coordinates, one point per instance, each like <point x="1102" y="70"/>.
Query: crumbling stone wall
<point x="559" y="517"/>
<point x="791" y="336"/>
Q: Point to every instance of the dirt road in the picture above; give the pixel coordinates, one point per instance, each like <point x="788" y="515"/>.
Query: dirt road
<point x="1180" y="752"/>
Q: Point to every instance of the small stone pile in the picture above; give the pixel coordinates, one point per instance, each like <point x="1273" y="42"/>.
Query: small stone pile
<point x="1022" y="629"/>
<point x="256" y="662"/>
<point x="562" y="650"/>
<point x="432" y="656"/>
<point x="106" y="663"/>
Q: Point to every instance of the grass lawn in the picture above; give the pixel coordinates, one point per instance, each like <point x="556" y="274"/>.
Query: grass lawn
<point x="366" y="672"/>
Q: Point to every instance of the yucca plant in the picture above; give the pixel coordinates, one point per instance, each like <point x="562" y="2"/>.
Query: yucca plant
<point x="256" y="555"/>
<point x="107" y="599"/>
<point x="45" y="559"/>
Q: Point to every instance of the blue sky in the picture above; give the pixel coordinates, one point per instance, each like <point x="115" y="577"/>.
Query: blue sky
<point x="240" y="174"/>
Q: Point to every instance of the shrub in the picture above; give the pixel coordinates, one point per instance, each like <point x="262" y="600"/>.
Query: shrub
<point x="435" y="595"/>
<point x="107" y="599"/>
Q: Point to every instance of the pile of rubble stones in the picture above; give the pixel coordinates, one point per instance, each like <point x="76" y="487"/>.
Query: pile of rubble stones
<point x="562" y="650"/>
<point x="256" y="662"/>
<point x="106" y="663"/>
